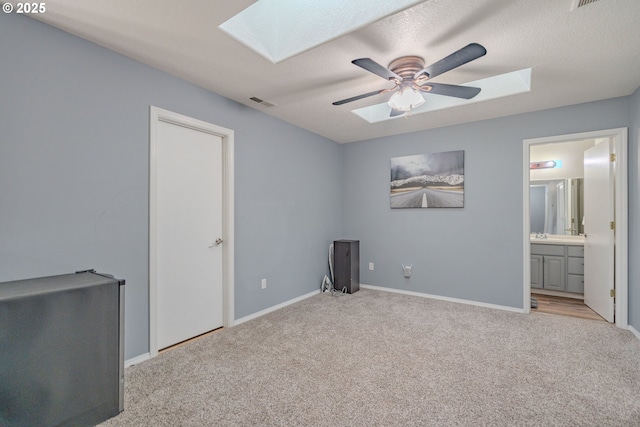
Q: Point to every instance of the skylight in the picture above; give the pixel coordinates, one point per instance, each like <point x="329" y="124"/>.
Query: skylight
<point x="492" y="87"/>
<point x="280" y="29"/>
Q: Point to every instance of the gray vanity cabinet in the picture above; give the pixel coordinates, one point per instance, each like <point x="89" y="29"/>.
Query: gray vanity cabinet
<point x="550" y="264"/>
<point x="557" y="267"/>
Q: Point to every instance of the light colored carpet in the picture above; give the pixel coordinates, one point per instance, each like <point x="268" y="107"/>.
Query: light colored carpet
<point x="382" y="359"/>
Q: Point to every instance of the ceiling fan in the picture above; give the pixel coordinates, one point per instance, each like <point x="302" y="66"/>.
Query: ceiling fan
<point x="410" y="77"/>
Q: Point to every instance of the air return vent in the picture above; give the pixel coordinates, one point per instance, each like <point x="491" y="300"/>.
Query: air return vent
<point x="262" y="102"/>
<point x="579" y="3"/>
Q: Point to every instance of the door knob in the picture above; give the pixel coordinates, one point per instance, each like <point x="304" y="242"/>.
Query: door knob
<point x="216" y="243"/>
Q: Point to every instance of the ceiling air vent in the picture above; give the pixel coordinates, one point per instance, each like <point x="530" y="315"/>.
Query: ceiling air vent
<point x="262" y="102"/>
<point x="579" y="3"/>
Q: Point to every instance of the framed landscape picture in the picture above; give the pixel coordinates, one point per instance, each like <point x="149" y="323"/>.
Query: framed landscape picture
<point x="433" y="180"/>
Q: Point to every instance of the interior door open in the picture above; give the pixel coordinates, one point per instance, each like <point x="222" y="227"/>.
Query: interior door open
<point x="599" y="236"/>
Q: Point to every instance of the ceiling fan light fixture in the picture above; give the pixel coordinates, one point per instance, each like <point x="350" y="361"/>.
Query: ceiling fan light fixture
<point x="406" y="99"/>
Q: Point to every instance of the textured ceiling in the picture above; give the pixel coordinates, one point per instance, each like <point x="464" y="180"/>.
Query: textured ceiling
<point x="576" y="56"/>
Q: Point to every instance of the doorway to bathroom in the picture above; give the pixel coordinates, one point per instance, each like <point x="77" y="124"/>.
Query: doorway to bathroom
<point x="558" y="256"/>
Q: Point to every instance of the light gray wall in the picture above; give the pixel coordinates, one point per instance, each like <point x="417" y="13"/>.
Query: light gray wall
<point x="74" y="174"/>
<point x="634" y="212"/>
<point x="474" y="253"/>
<point x="74" y="179"/>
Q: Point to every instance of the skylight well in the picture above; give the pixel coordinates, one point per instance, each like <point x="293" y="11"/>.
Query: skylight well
<point x="494" y="87"/>
<point x="280" y="29"/>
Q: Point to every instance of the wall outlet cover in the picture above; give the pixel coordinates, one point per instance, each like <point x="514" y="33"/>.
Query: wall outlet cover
<point x="406" y="269"/>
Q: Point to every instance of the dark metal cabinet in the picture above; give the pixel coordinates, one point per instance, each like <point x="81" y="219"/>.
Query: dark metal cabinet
<point x="346" y="256"/>
<point x="61" y="350"/>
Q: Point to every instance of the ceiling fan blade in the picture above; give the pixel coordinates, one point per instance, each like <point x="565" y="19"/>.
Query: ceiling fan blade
<point x="355" y="98"/>
<point x="466" y="92"/>
<point x="456" y="59"/>
<point x="377" y="69"/>
<point x="395" y="112"/>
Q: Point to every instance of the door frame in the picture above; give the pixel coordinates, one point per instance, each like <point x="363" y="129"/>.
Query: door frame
<point x="157" y="115"/>
<point x="620" y="148"/>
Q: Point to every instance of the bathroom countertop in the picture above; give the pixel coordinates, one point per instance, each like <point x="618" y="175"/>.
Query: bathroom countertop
<point x="559" y="240"/>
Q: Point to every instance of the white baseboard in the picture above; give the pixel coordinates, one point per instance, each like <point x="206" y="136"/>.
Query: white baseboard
<point x="634" y="331"/>
<point x="136" y="360"/>
<point x="441" y="298"/>
<point x="274" y="308"/>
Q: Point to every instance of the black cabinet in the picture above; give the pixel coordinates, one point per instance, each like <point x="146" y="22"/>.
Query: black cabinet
<point x="61" y="350"/>
<point x="346" y="258"/>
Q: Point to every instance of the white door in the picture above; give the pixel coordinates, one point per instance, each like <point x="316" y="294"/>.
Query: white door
<point x="188" y="223"/>
<point x="599" y="240"/>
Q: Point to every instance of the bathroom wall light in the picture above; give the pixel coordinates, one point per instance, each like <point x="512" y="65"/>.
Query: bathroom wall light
<point x="547" y="164"/>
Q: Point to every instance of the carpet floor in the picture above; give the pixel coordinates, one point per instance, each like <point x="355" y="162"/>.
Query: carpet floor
<point x="383" y="359"/>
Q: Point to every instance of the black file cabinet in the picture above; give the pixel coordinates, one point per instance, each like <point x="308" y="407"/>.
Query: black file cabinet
<point x="346" y="258"/>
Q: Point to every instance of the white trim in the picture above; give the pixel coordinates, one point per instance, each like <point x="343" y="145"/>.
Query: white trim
<point x="136" y="360"/>
<point x="620" y="143"/>
<point x="619" y="138"/>
<point x="442" y="298"/>
<point x="275" y="307"/>
<point x="157" y="115"/>
<point x="526" y="223"/>
<point x="634" y="331"/>
<point x="228" y="216"/>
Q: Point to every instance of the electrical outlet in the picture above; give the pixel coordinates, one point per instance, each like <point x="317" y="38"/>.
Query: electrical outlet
<point x="406" y="269"/>
<point x="371" y="266"/>
<point x="264" y="283"/>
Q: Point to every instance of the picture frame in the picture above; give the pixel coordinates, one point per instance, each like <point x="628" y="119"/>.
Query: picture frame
<point x="434" y="180"/>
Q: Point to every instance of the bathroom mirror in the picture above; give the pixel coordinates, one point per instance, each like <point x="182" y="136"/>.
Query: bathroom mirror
<point x="557" y="206"/>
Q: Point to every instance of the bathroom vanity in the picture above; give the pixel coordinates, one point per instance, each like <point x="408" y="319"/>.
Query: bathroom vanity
<point x="557" y="264"/>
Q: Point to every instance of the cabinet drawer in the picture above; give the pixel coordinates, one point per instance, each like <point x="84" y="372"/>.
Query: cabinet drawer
<point x="575" y="283"/>
<point x="575" y="251"/>
<point x="547" y="249"/>
<point x="575" y="265"/>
